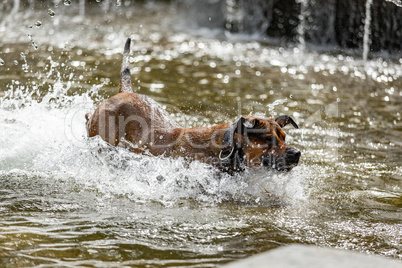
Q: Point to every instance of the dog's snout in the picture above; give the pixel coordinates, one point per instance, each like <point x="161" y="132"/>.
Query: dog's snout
<point x="286" y="162"/>
<point x="292" y="155"/>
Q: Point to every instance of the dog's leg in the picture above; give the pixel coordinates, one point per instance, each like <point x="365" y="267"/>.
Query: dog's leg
<point x="125" y="79"/>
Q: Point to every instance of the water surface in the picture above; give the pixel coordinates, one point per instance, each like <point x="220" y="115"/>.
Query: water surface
<point x="64" y="203"/>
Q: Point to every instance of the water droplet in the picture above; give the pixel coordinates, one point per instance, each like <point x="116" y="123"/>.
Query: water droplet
<point x="98" y="1"/>
<point x="15" y="62"/>
<point x="118" y="3"/>
<point x="67" y="2"/>
<point x="32" y="41"/>
<point x="25" y="65"/>
<point x="51" y="12"/>
<point x="2" y="61"/>
<point x="38" y="23"/>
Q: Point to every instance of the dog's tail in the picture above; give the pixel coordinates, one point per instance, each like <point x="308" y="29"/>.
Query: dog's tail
<point x="125" y="79"/>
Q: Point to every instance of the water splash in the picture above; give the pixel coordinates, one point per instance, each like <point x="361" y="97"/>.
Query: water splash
<point x="301" y="28"/>
<point x="116" y="172"/>
<point x="82" y="8"/>
<point x="234" y="16"/>
<point x="271" y="106"/>
<point x="38" y="24"/>
<point x="367" y="30"/>
<point x="16" y="7"/>
<point x="25" y="66"/>
<point x="51" y="12"/>
<point x="47" y="136"/>
<point x="396" y="2"/>
<point x="34" y="45"/>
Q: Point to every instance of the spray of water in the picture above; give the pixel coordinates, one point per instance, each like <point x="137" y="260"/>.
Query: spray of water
<point x="396" y="2"/>
<point x="47" y="136"/>
<point x="301" y="28"/>
<point x="366" y="37"/>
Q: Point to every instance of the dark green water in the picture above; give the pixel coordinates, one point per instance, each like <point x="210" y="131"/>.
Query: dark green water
<point x="64" y="204"/>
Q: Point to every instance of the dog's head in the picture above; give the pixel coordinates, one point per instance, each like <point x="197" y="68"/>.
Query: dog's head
<point x="259" y="142"/>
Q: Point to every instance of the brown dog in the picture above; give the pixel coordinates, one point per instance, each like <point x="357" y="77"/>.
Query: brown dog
<point x="140" y="124"/>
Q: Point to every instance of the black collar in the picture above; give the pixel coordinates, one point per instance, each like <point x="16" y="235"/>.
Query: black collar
<point x="232" y="156"/>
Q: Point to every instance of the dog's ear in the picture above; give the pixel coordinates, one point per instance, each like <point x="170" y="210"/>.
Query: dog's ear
<point x="283" y="120"/>
<point x="229" y="143"/>
<point x="241" y="125"/>
<point x="249" y="123"/>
